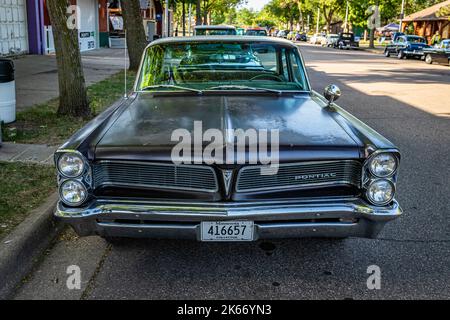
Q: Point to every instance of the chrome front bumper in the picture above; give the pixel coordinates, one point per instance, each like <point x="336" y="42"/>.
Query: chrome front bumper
<point x="181" y="220"/>
<point x="281" y="219"/>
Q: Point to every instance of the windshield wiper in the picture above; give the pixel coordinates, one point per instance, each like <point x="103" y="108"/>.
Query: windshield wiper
<point x="171" y="86"/>
<point x="239" y="87"/>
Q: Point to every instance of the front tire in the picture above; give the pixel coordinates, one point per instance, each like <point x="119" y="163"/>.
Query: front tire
<point x="400" y="55"/>
<point x="387" y="54"/>
<point x="428" y="59"/>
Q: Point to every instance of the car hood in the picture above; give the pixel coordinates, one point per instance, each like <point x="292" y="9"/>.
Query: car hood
<point x="307" y="130"/>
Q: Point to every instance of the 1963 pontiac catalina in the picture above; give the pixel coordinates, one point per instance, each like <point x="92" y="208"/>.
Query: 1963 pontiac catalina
<point x="333" y="176"/>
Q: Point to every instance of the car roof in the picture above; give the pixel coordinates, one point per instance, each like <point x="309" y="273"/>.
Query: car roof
<point x="216" y="27"/>
<point x="206" y="39"/>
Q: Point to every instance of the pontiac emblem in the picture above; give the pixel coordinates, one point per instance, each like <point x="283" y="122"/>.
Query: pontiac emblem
<point x="227" y="180"/>
<point x="306" y="177"/>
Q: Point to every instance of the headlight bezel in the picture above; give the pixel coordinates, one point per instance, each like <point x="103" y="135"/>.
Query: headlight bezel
<point x="73" y="204"/>
<point x="394" y="189"/>
<point x="84" y="178"/>
<point x="62" y="153"/>
<point x="377" y="154"/>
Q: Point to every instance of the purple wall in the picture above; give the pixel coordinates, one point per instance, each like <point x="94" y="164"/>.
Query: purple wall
<point x="35" y="19"/>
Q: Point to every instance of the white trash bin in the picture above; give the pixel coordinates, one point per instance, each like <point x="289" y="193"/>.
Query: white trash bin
<point x="7" y="91"/>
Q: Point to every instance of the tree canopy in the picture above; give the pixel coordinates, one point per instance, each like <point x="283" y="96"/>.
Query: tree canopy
<point x="293" y="14"/>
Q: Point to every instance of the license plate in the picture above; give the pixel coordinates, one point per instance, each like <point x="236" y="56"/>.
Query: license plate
<point x="227" y="231"/>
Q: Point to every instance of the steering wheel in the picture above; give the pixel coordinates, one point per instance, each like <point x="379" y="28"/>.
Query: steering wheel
<point x="268" y="75"/>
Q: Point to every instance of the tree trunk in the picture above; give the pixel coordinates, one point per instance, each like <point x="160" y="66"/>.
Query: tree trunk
<point x="372" y="33"/>
<point x="205" y="12"/>
<point x="300" y="18"/>
<point x="72" y="88"/>
<point x="184" y="18"/>
<point x="372" y="38"/>
<point x="134" y="27"/>
<point x="198" y="13"/>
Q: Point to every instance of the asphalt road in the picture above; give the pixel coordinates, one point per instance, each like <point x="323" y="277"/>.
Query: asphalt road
<point x="407" y="101"/>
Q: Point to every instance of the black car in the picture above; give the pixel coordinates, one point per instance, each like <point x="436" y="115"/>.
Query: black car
<point x="406" y="46"/>
<point x="439" y="53"/>
<point x="346" y="40"/>
<point x="301" y="37"/>
<point x="182" y="157"/>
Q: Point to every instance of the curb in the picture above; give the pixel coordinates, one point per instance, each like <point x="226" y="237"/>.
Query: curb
<point x="375" y="51"/>
<point x="20" y="250"/>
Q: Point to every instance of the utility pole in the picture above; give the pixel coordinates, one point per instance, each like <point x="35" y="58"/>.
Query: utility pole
<point x="346" y="19"/>
<point x="402" y="15"/>
<point x="318" y="18"/>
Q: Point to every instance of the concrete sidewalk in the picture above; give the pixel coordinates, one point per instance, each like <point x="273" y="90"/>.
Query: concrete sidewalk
<point x="30" y="153"/>
<point x="37" y="76"/>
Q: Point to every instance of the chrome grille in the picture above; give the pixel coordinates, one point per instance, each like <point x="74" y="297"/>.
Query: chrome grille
<point x="301" y="175"/>
<point x="155" y="175"/>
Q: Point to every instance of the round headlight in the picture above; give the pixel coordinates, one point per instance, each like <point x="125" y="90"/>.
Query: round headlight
<point x="73" y="192"/>
<point x="380" y="192"/>
<point x="71" y="165"/>
<point x="383" y="165"/>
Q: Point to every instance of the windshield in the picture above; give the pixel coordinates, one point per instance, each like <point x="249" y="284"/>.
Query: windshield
<point x="416" y="39"/>
<point x="347" y="36"/>
<point x="205" y="65"/>
<point x="215" y="32"/>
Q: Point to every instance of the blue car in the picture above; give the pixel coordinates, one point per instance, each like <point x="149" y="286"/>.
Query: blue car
<point x="406" y="46"/>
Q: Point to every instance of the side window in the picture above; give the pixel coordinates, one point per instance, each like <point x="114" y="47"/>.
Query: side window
<point x="297" y="71"/>
<point x="296" y="74"/>
<point x="284" y="65"/>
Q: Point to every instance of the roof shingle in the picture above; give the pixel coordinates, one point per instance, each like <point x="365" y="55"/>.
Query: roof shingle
<point x="428" y="14"/>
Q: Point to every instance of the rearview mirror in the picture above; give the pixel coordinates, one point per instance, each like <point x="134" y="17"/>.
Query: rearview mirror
<point x="332" y="93"/>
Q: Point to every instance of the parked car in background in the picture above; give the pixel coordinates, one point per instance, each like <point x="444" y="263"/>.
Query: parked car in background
<point x="439" y="53"/>
<point x="346" y="40"/>
<point x="406" y="46"/>
<point x="301" y="37"/>
<point x="335" y="176"/>
<point x="317" y="38"/>
<point x="291" y="35"/>
<point x="282" y="34"/>
<point x="262" y="32"/>
<point x="220" y="30"/>
<point x="330" y="40"/>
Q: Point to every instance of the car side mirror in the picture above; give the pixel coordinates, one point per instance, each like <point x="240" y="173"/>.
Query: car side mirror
<point x="332" y="93"/>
